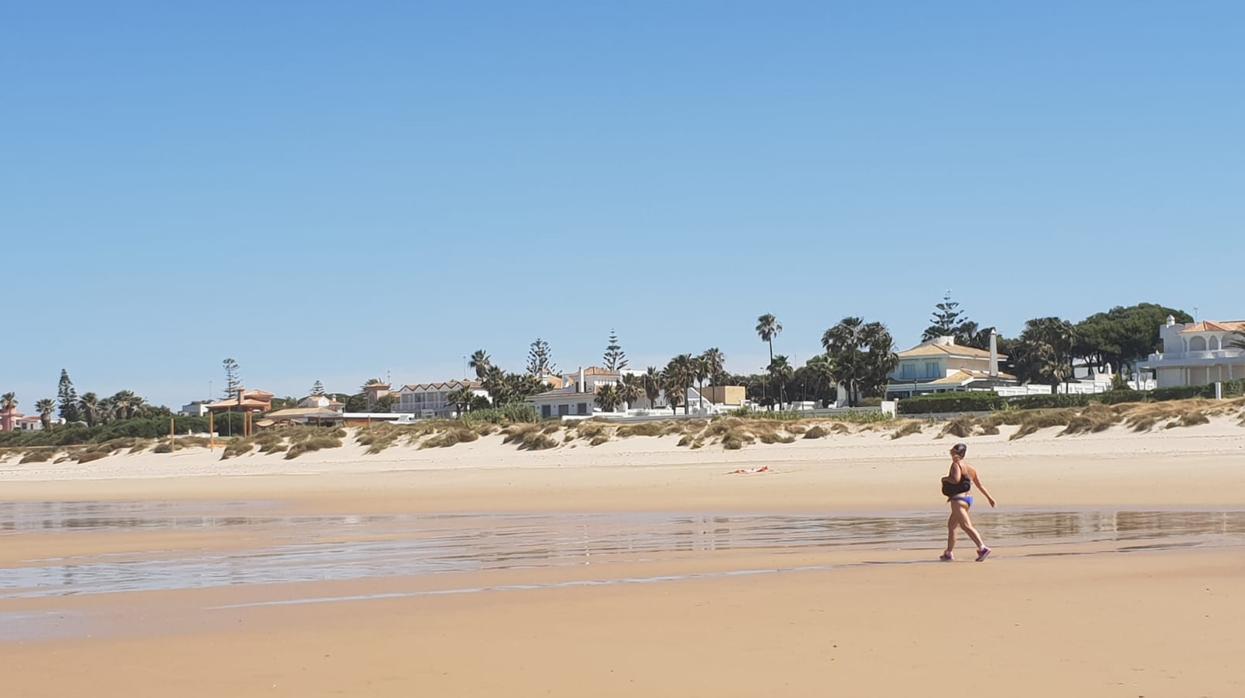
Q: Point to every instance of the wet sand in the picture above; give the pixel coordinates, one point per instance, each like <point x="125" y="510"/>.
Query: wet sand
<point x="636" y="571"/>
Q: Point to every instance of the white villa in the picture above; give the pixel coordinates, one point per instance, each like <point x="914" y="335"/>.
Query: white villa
<point x="577" y="396"/>
<point x="940" y="365"/>
<point x="427" y="400"/>
<point x="1197" y="353"/>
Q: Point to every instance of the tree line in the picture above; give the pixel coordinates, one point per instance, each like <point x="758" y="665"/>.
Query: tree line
<point x="88" y="408"/>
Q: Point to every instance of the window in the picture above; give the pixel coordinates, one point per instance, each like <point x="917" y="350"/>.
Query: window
<point x="564" y="410"/>
<point x="583" y="408"/>
<point x="545" y="411"/>
<point x="907" y="370"/>
<point x="931" y="369"/>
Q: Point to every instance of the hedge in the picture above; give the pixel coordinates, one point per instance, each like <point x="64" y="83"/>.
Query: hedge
<point x="952" y="402"/>
<point x="983" y="401"/>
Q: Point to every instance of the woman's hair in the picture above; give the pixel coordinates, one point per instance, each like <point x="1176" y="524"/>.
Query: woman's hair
<point x="959" y="450"/>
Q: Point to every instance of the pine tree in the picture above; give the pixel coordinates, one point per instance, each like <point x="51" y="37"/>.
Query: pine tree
<point x="946" y="319"/>
<point x="615" y="358"/>
<point x="232" y="381"/>
<point x="68" y="399"/>
<point x="317" y="389"/>
<point x="539" y="360"/>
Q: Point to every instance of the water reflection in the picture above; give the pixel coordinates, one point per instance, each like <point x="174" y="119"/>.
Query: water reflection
<point x="319" y="548"/>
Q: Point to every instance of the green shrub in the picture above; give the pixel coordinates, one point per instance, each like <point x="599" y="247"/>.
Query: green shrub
<point x="1181" y="393"/>
<point x="951" y="402"/>
<point x="1045" y="402"/>
<point x="512" y="413"/>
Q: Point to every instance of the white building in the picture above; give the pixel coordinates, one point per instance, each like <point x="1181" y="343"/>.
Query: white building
<point x="1197" y="353"/>
<point x="198" y="408"/>
<point x="577" y="397"/>
<point x="427" y="400"/>
<point x="323" y="402"/>
<point x="940" y="365"/>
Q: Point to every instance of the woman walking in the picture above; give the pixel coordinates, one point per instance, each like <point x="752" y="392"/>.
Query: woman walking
<point x="955" y="487"/>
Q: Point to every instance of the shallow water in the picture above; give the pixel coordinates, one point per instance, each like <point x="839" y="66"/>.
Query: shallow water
<point x="336" y="548"/>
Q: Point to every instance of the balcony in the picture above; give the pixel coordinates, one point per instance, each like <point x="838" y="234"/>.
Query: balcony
<point x="1187" y="358"/>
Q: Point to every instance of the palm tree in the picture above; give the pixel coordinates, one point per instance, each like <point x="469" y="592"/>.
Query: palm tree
<point x="480" y="363"/>
<point x="8" y="401"/>
<point x="700" y="371"/>
<point x="89" y="404"/>
<point x="124" y="404"/>
<point x="461" y="400"/>
<point x="1237" y="341"/>
<point x="767" y="329"/>
<point x="106" y="411"/>
<point x="672" y="386"/>
<point x="494" y="380"/>
<point x="607" y="397"/>
<point x="1044" y="351"/>
<point x="822" y="371"/>
<point x="861" y="355"/>
<point x="652" y="385"/>
<point x="631" y="388"/>
<point x="680" y="373"/>
<point x="780" y="371"/>
<point x="715" y="360"/>
<point x="46" y="407"/>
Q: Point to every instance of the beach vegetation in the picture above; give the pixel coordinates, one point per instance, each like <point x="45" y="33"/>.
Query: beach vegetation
<point x="906" y="429"/>
<point x="450" y="437"/>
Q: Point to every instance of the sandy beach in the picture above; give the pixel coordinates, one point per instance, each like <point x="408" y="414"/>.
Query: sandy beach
<point x="631" y="568"/>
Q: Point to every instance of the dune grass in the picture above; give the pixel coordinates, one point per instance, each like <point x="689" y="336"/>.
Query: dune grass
<point x="729" y="432"/>
<point x="906" y="429"/>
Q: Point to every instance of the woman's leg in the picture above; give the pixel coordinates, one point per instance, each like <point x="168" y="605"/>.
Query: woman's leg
<point x="953" y="522"/>
<point x="966" y="523"/>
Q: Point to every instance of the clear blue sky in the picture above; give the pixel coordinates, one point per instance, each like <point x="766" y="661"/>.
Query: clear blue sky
<point x="334" y="190"/>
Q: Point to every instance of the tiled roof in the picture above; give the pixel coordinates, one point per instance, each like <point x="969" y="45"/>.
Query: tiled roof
<point x="1208" y="326"/>
<point x="929" y="349"/>
<point x="593" y="371"/>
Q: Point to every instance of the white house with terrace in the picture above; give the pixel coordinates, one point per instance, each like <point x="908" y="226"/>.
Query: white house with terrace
<point x="941" y="366"/>
<point x="1197" y="353"/>
<point x="428" y="400"/>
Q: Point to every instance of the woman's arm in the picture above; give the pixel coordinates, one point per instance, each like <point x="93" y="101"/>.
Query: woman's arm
<point x="977" y="482"/>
